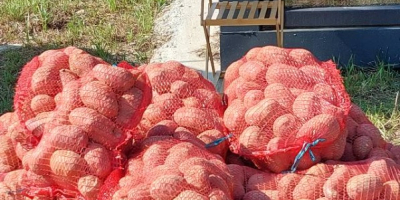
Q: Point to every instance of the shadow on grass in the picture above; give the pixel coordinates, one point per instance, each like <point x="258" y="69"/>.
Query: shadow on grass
<point x="12" y="60"/>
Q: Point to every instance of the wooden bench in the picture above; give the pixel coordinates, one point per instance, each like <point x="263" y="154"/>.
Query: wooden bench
<point x="270" y="13"/>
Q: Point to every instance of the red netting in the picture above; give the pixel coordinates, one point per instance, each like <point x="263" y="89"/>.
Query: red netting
<point x="282" y="101"/>
<point x="171" y="169"/>
<point x="364" y="140"/>
<point x="184" y="105"/>
<point x="374" y="178"/>
<point x="77" y="115"/>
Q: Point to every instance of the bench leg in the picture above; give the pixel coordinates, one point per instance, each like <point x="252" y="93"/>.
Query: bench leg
<point x="209" y="56"/>
<point x="282" y="13"/>
<point x="278" y="35"/>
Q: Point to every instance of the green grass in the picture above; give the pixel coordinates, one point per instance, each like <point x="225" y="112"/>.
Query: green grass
<point x="375" y="90"/>
<point x="120" y="27"/>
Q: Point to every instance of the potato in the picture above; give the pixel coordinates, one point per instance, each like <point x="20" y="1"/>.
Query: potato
<point x="7" y="152"/>
<point x="168" y="103"/>
<point x="289" y="76"/>
<point x="212" y="135"/>
<point x="161" y="79"/>
<point x="67" y="76"/>
<point x="286" y="125"/>
<point x="358" y="115"/>
<point x="232" y="73"/>
<point x="316" y="72"/>
<point x="253" y="71"/>
<point x="303" y="57"/>
<point x="321" y="170"/>
<point x="252" y="97"/>
<point x="306" y="106"/>
<point x="378" y="152"/>
<point x="198" y="178"/>
<point x="218" y="183"/>
<point x="82" y="63"/>
<point x="351" y="126"/>
<point x="362" y="146"/>
<point x="161" y="170"/>
<point x="42" y="103"/>
<point x="261" y="194"/>
<point x="306" y="161"/>
<point x="336" y="149"/>
<point x="35" y="125"/>
<point x="230" y="91"/>
<point x="190" y="194"/>
<point x="209" y="98"/>
<point x="253" y="139"/>
<point x="383" y="168"/>
<point x="263" y="181"/>
<point x="174" y="66"/>
<point x="272" y="54"/>
<point x="335" y="185"/>
<point x="242" y="89"/>
<point x="68" y="137"/>
<point x="98" y="127"/>
<point x="364" y="186"/>
<point x="287" y="184"/>
<point x="150" y="67"/>
<point x="326" y="92"/>
<point x="89" y="186"/>
<point x="168" y="187"/>
<point x="20" y="150"/>
<point x="264" y="113"/>
<point x="140" y="192"/>
<point x="96" y="95"/>
<point x="119" y="79"/>
<point x="193" y="118"/>
<point x="46" y="80"/>
<point x="181" y="89"/>
<point x="134" y="166"/>
<point x="217" y="194"/>
<point x="70" y="98"/>
<point x="154" y="156"/>
<point x="98" y="160"/>
<point x="155" y="114"/>
<point x="234" y="117"/>
<point x="238" y="180"/>
<point x="209" y="166"/>
<point x="280" y="93"/>
<point x="296" y="92"/>
<point x="322" y="126"/>
<point x="48" y="53"/>
<point x="391" y="190"/>
<point x="252" y="54"/>
<point x="192" y="102"/>
<point x="8" y="118"/>
<point x="372" y="132"/>
<point x="67" y="164"/>
<point x="309" y="187"/>
<point x="128" y="105"/>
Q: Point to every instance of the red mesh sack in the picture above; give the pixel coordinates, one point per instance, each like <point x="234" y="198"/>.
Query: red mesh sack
<point x="166" y="168"/>
<point x="374" y="178"/>
<point x="184" y="104"/>
<point x="84" y="137"/>
<point x="286" y="109"/>
<point x="364" y="140"/>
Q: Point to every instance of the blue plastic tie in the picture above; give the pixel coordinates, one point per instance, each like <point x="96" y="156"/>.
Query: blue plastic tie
<point x="114" y="65"/>
<point x="218" y="141"/>
<point x="306" y="147"/>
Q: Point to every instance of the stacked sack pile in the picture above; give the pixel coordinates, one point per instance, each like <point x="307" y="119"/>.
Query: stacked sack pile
<point x="85" y="129"/>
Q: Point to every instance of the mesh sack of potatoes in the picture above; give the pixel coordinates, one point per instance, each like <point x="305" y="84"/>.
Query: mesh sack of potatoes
<point x="184" y="104"/>
<point x="286" y="109"/>
<point x="165" y="168"/>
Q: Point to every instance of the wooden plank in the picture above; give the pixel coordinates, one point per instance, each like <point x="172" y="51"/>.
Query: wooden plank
<point x="263" y="9"/>
<point x="253" y="10"/>
<point x="248" y="6"/>
<point x="242" y="9"/>
<point x="233" y="6"/>
<point x="222" y="9"/>
<point x="240" y="22"/>
<point x="273" y="11"/>
<point x="211" y="11"/>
